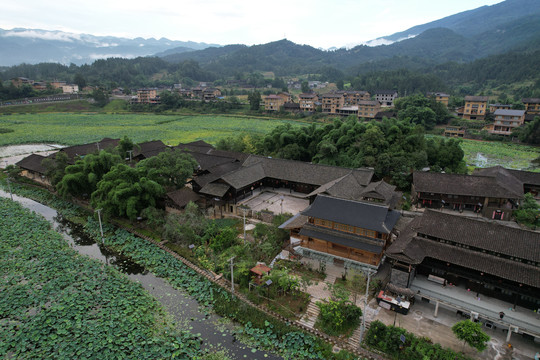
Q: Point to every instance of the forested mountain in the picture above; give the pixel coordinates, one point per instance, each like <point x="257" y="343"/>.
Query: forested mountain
<point x="477" y="21"/>
<point x="434" y="46"/>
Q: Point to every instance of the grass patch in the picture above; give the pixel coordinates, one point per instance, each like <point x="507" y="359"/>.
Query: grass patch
<point x="493" y="153"/>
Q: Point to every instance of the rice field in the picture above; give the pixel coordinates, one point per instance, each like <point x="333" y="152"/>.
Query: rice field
<point x="72" y="129"/>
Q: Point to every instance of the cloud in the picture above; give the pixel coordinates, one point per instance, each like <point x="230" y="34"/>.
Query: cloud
<point x="48" y="35"/>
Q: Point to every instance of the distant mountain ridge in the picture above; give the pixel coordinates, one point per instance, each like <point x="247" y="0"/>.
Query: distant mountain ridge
<point x="474" y="22"/>
<point x="33" y="46"/>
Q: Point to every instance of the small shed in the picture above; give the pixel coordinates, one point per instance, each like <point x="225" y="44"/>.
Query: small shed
<point x="258" y="271"/>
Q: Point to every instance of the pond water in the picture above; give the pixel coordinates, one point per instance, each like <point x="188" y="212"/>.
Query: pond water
<point x="216" y="333"/>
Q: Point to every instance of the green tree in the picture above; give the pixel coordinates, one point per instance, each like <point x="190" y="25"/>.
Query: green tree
<point x="82" y="177"/>
<point x="254" y="99"/>
<point x="124" y="146"/>
<point x="471" y="334"/>
<point x="169" y="168"/>
<point x="125" y="191"/>
<point x="55" y="167"/>
<point x="305" y="87"/>
<point x="186" y="228"/>
<point x="80" y="81"/>
<point x="528" y="212"/>
<point x="100" y="97"/>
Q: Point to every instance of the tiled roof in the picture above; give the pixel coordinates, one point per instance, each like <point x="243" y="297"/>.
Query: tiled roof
<point x="32" y="163"/>
<point x="215" y="189"/>
<point x="412" y="246"/>
<point x="498" y="186"/>
<point x="509" y="112"/>
<point x="80" y="150"/>
<point x="531" y="100"/>
<point x="307" y="173"/>
<point x="183" y="196"/>
<point x="476" y="98"/>
<point x="355" y="213"/>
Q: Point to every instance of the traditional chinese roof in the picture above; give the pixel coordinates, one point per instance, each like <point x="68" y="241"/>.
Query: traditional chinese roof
<point x="472" y="243"/>
<point x="531" y="100"/>
<point x="183" y="196"/>
<point x="81" y="150"/>
<point x="215" y="189"/>
<point x="355" y="213"/>
<point x="33" y="163"/>
<point x="296" y="222"/>
<point x="500" y="185"/>
<point x="149" y="149"/>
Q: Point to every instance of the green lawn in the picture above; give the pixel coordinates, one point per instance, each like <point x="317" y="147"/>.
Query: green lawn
<point x="71" y="129"/>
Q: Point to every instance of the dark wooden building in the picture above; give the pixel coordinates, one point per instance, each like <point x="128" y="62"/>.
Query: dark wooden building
<point x="340" y="230"/>
<point x="486" y="257"/>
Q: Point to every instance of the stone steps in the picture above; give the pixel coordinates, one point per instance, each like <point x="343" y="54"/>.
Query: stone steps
<point x="354" y="340"/>
<point x="311" y="314"/>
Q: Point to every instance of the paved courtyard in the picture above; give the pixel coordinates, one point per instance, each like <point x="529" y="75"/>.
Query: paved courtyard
<point x="278" y="201"/>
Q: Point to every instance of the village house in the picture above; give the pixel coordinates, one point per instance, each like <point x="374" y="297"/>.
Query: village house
<point x="532" y="105"/>
<point x="32" y="168"/>
<point x="211" y="94"/>
<point x="386" y="97"/>
<point x="58" y="84"/>
<point x="146" y="96"/>
<point x="148" y="149"/>
<point x="529" y="180"/>
<point x="273" y="102"/>
<point x="78" y="151"/>
<point x="506" y="121"/>
<point x="459" y="262"/>
<point x="351" y="97"/>
<point x="492" y="194"/>
<point x="495" y="107"/>
<point x="368" y="108"/>
<point x="20" y="81"/>
<point x="39" y="85"/>
<point x="331" y="102"/>
<point x="475" y="107"/>
<point x="70" y="89"/>
<point x="454" y="131"/>
<point x="439" y="97"/>
<point x="308" y="101"/>
<point x="345" y="232"/>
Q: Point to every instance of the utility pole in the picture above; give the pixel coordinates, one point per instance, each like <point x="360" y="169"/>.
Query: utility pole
<point x="130" y="152"/>
<point x="363" y="327"/>
<point x="244" y="211"/>
<point x="232" y="274"/>
<point x="8" y="183"/>
<point x="97" y="144"/>
<point x="100" y="226"/>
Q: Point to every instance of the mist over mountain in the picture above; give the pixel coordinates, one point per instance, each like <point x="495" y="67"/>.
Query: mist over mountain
<point x="34" y="46"/>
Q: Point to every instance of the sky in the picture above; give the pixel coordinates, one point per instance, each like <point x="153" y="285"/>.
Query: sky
<point x="319" y="23"/>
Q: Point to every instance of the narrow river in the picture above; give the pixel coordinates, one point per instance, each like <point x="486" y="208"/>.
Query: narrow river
<point x="215" y="332"/>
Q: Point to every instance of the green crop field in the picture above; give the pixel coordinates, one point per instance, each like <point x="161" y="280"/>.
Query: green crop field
<point x="71" y="129"/>
<point x="492" y="153"/>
